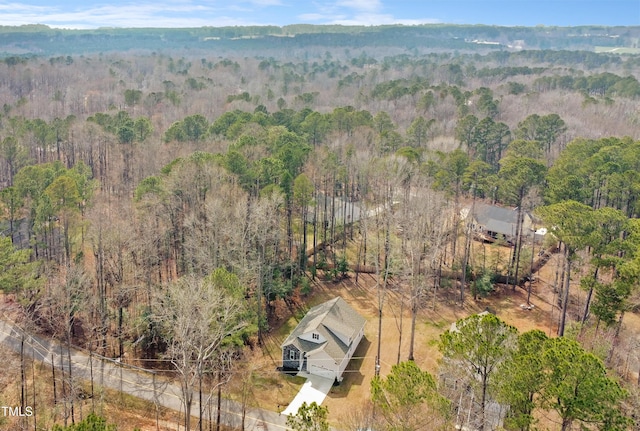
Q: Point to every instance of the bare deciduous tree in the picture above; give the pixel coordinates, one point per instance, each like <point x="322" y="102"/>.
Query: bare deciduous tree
<point x="426" y="228"/>
<point x="198" y="315"/>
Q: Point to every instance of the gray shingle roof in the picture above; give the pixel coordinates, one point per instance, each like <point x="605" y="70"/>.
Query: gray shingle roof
<point x="328" y="319"/>
<point x="496" y="219"/>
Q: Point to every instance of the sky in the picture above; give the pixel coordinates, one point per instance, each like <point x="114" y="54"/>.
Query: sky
<point x="198" y="13"/>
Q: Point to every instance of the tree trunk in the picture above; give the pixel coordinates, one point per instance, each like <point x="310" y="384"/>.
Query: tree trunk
<point x="377" y="369"/>
<point x="619" y="326"/>
<point x="218" y="412"/>
<point x="483" y="402"/>
<point x="465" y="263"/>
<point x="414" y="314"/>
<point x="67" y="239"/>
<point x="188" y="400"/>
<point x="200" y="419"/>
<point x="364" y="246"/>
<point x="289" y="205"/>
<point x="467" y="250"/>
<point x="333" y="216"/>
<point x="155" y="401"/>
<point x="303" y="263"/>
<point x="33" y="383"/>
<point x="518" y="245"/>
<point x="352" y="201"/>
<point x="102" y="290"/>
<point x="533" y="244"/>
<point x="558" y="286"/>
<point x="400" y="329"/>
<point x="325" y="221"/>
<point x="64" y="392"/>
<point x="380" y="298"/>
<point x="244" y="404"/>
<point x="22" y="376"/>
<point x="456" y="221"/>
<point x="120" y="325"/>
<point x="260" y="293"/>
<point x="359" y="253"/>
<point x="53" y="378"/>
<point x="344" y="222"/>
<point x="587" y="305"/>
<point x="72" y="394"/>
<point x="23" y="382"/>
<point x="565" y="297"/>
<point x="93" y="402"/>
<point x="210" y="413"/>
<point x="315" y="239"/>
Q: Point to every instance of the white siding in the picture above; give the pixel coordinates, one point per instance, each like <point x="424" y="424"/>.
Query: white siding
<point x="347" y="358"/>
<point x="309" y="337"/>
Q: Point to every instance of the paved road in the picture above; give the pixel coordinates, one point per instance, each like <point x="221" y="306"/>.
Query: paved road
<point x="139" y="383"/>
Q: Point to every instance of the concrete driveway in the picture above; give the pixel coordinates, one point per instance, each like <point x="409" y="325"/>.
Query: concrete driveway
<point x="315" y="389"/>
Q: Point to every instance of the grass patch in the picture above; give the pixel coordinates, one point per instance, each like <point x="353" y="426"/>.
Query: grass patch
<point x="128" y="402"/>
<point x="295" y="380"/>
<point x="269" y="382"/>
<point x="439" y="324"/>
<point x="285" y="329"/>
<point x="273" y="389"/>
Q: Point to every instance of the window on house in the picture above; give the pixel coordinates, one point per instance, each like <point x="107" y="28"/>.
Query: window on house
<point x="315" y="336"/>
<point x="292" y="355"/>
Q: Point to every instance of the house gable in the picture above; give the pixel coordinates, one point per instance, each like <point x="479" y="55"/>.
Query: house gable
<point x="330" y="330"/>
<point x="313" y="337"/>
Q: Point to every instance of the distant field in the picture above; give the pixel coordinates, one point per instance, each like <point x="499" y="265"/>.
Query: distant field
<point x="600" y="49"/>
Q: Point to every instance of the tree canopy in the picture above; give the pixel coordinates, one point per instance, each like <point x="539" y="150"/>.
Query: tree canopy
<point x="309" y="417"/>
<point x="408" y="399"/>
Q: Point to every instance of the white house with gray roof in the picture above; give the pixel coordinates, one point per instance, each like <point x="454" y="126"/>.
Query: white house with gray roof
<point x="324" y="341"/>
<point x="489" y="222"/>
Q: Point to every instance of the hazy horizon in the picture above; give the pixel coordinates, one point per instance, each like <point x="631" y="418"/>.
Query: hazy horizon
<point x="76" y="14"/>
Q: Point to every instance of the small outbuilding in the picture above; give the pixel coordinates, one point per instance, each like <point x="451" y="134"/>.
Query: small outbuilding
<point x="325" y="340"/>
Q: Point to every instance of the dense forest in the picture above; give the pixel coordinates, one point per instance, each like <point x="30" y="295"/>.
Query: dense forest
<point x="151" y="179"/>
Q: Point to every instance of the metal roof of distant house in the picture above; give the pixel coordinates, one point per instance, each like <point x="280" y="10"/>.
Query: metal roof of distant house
<point x="328" y="318"/>
<point x="496" y="219"/>
<point x="352" y="209"/>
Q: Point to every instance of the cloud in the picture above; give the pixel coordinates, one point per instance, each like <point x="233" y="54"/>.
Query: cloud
<point x="169" y="14"/>
<point x="314" y="17"/>
<point x="21" y="7"/>
<point x="197" y="13"/>
<point x="369" y="6"/>
<point x="356" y="12"/>
<point x="380" y="19"/>
<point x="265" y="2"/>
